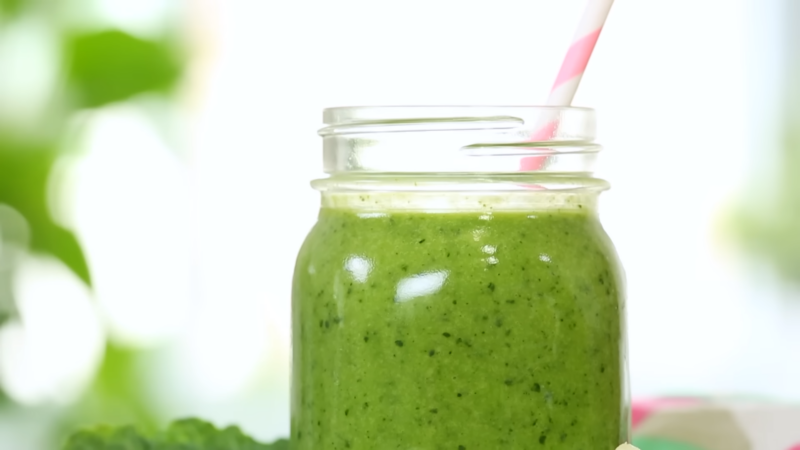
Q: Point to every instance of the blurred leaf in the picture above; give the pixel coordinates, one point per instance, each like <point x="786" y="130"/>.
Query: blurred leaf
<point x="11" y="7"/>
<point x="773" y="232"/>
<point x="8" y="308"/>
<point x="280" y="444"/>
<point x="106" y="438"/>
<point x="186" y="434"/>
<point x="196" y="434"/>
<point x="117" y="395"/>
<point x="24" y="173"/>
<point x="112" y="65"/>
<point x="769" y="224"/>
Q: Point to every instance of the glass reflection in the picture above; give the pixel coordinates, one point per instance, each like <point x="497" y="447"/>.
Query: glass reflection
<point x="418" y="285"/>
<point x="359" y="267"/>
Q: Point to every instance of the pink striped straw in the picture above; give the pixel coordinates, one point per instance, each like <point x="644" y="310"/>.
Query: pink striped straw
<point x="572" y="69"/>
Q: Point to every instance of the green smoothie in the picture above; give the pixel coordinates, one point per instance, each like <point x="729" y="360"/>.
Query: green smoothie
<point x="457" y="331"/>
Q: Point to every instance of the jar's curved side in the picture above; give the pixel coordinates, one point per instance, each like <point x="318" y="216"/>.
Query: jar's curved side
<point x="621" y="281"/>
<point x="301" y="362"/>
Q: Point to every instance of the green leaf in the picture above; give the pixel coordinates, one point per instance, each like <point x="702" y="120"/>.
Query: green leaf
<point x="24" y="173"/>
<point x="117" y="395"/>
<point x="197" y="434"/>
<point x="11" y="7"/>
<point x="110" y="66"/>
<point x="280" y="444"/>
<point x="108" y="438"/>
<point x="186" y="434"/>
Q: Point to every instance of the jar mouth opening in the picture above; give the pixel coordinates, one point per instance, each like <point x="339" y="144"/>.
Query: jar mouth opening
<point x="458" y="139"/>
<point x="511" y="125"/>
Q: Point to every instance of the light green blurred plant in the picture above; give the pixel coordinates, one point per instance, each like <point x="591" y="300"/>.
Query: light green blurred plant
<point x="768" y="223"/>
<point x="10" y="7"/>
<point x="98" y="67"/>
<point x="771" y="230"/>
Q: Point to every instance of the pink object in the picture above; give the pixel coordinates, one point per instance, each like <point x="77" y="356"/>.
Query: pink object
<point x="641" y="409"/>
<point x="795" y="447"/>
<point x="577" y="58"/>
<point x="544" y="133"/>
<point x="571" y="72"/>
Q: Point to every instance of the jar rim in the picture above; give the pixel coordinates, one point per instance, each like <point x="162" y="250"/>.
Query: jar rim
<point x="347" y="115"/>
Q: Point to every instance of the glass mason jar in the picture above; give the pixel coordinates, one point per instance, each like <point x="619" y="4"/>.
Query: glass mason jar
<point x="458" y="290"/>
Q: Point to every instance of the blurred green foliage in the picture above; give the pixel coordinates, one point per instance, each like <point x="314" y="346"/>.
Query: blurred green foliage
<point x="24" y="173"/>
<point x="187" y="434"/>
<point x="769" y="224"/>
<point x="110" y="66"/>
<point x="772" y="231"/>
<point x="98" y="67"/>
<point x="117" y="395"/>
<point x="11" y="7"/>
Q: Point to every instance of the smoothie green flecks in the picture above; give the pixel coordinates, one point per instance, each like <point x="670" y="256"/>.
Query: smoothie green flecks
<point x="457" y="331"/>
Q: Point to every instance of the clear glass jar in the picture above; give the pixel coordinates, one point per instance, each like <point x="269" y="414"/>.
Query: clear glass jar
<point x="458" y="290"/>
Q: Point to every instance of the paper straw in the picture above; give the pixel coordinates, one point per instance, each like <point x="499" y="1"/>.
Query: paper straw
<point x="572" y="69"/>
<point x="577" y="58"/>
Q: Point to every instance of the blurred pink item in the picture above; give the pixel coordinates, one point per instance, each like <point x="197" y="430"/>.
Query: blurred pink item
<point x="642" y="408"/>
<point x="718" y="423"/>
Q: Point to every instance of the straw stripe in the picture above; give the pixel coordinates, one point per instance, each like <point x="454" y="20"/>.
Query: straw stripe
<point x="577" y="58"/>
<point x="543" y="134"/>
